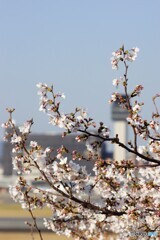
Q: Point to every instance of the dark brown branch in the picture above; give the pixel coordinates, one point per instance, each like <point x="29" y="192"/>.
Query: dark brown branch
<point x="153" y="138"/>
<point x="137" y="166"/>
<point x="85" y="204"/>
<point x="92" y="134"/>
<point x="148" y="159"/>
<point x="116" y="141"/>
<point x="129" y="104"/>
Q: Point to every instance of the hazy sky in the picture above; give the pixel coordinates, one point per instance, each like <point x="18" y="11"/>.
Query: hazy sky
<point x="69" y="43"/>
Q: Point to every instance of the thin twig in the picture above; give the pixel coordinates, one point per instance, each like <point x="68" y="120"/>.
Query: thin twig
<point x="33" y="217"/>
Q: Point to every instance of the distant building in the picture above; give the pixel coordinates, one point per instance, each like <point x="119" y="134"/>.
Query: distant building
<point x="6" y="159"/>
<point x="119" y="116"/>
<point x="47" y="140"/>
<point x="56" y="141"/>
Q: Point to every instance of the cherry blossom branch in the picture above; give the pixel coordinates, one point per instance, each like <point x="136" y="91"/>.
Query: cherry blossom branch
<point x="85" y="204"/>
<point x="137" y="166"/>
<point x="154" y="138"/>
<point x="129" y="107"/>
<point x="154" y="102"/>
<point x="33" y="217"/>
<point x="117" y="196"/>
<point x="116" y="141"/>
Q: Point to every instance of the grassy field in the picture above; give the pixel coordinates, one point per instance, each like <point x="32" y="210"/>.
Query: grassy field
<point x="15" y="210"/>
<point x="27" y="236"/>
<point x="46" y="236"/>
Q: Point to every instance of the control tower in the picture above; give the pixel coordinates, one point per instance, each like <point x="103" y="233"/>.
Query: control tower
<point x="119" y="116"/>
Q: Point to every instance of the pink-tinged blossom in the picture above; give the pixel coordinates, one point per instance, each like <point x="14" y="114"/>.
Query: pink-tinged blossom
<point x="136" y="108"/>
<point x="26" y="127"/>
<point x="115" y="82"/>
<point x="83" y="114"/>
<point x="63" y="160"/>
<point x="42" y="108"/>
<point x="89" y="147"/>
<point x="136" y="49"/>
<point x="47" y="150"/>
<point x="154" y="125"/>
<point x="105" y="132"/>
<point x="114" y="64"/>
<point x="122" y="55"/>
<point x="33" y="144"/>
<point x="58" y="120"/>
<point x="142" y="149"/>
<point x="43" y="87"/>
<point x="120" y="197"/>
<point x="62" y="95"/>
<point x="6" y="125"/>
<point x="130" y="120"/>
<point x="149" y="220"/>
<point x="117" y="54"/>
<point x="15" y="193"/>
<point x="16" y="139"/>
<point x="132" y="54"/>
<point x="78" y="138"/>
<point x="113" y="97"/>
<point x="39" y="85"/>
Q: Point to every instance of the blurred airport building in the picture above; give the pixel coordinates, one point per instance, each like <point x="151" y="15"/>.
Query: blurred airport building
<point x="7" y="174"/>
<point x="120" y="127"/>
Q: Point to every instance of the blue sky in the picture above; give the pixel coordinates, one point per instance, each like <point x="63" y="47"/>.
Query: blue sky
<point x="69" y="43"/>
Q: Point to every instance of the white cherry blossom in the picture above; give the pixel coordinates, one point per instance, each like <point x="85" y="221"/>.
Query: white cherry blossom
<point x="119" y="196"/>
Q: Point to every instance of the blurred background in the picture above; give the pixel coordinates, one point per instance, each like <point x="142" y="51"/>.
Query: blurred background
<point x="69" y="43"/>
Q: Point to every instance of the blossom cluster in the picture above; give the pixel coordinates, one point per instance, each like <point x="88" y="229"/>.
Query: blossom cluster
<point x="120" y="196"/>
<point x="123" y="55"/>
